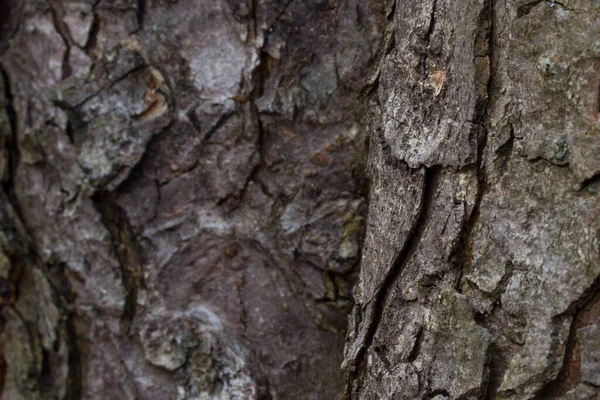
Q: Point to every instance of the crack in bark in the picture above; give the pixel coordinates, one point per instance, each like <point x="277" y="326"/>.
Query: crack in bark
<point x="437" y="392"/>
<point x="414" y="352"/>
<point x="495" y="369"/>
<point x="127" y="252"/>
<point x="462" y="252"/>
<point x="504" y="151"/>
<point x="92" y="39"/>
<point x="65" y="296"/>
<point x="27" y="255"/>
<point x="211" y="131"/>
<point x="140" y="12"/>
<point x="109" y="85"/>
<point x="558" y="386"/>
<point x="570" y="373"/>
<point x="63" y="30"/>
<point x="372" y="83"/>
<point x="526" y="8"/>
<point x="586" y="184"/>
<point x="13" y="149"/>
<point x="402" y="258"/>
<point x="427" y="39"/>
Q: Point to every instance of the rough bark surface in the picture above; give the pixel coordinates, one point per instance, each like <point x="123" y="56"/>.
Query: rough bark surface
<point x="182" y="201"/>
<point x="480" y="269"/>
<point x="183" y="197"/>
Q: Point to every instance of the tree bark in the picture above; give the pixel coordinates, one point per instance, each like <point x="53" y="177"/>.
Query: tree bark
<point x="182" y="199"/>
<point x="480" y="268"/>
<point x="185" y="186"/>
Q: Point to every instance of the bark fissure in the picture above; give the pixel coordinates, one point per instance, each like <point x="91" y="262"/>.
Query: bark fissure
<point x="427" y="40"/>
<point x="462" y="253"/>
<point x="65" y="298"/>
<point x="587" y="184"/>
<point x="480" y="276"/>
<point x="141" y="12"/>
<point x="570" y="373"/>
<point x="127" y="252"/>
<point x="62" y="29"/>
<point x="13" y="148"/>
<point x="401" y="260"/>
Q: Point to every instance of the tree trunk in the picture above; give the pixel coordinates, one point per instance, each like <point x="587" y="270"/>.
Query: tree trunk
<point x="184" y="191"/>
<point x="183" y="195"/>
<point x="480" y="269"/>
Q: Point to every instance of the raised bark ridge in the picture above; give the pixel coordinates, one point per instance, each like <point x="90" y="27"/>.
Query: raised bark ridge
<point x="182" y="199"/>
<point x="480" y="268"/>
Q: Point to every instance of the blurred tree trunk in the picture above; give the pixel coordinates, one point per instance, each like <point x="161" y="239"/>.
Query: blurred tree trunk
<point x="182" y="195"/>
<point x="480" y="270"/>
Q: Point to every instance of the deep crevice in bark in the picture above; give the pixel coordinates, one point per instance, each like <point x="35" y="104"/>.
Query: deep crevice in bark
<point x="63" y="294"/>
<point x="65" y="299"/>
<point x="566" y="377"/>
<point x="590" y="181"/>
<point x="495" y="369"/>
<point x="62" y="29"/>
<point x="429" y="188"/>
<point x="437" y="392"/>
<point x="13" y="149"/>
<point x="126" y="250"/>
<point x="427" y="39"/>
<point x="570" y="373"/>
<point x="140" y="12"/>
<point x="92" y="39"/>
<point x="462" y="253"/>
<point x="417" y="346"/>
<point x="526" y="8"/>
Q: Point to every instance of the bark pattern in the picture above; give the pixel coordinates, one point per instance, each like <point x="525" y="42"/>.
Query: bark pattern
<point x="182" y="202"/>
<point x="480" y="269"/>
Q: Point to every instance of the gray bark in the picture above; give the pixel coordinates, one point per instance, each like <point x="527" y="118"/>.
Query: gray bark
<point x="480" y="268"/>
<point x="186" y="186"/>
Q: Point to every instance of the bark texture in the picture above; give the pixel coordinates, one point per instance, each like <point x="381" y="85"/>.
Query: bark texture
<point x="480" y="269"/>
<point x="183" y="197"/>
<point x="182" y="201"/>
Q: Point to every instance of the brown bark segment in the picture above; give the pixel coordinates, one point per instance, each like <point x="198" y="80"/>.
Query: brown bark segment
<point x="184" y="195"/>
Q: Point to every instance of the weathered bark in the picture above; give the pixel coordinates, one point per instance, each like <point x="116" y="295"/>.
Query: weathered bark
<point x="182" y="199"/>
<point x="480" y="269"/>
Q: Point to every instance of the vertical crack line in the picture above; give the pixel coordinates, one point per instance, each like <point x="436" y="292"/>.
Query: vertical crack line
<point x="140" y="13"/>
<point x="63" y="31"/>
<point x="497" y="363"/>
<point x="490" y="4"/>
<point x="92" y="39"/>
<point x="427" y="39"/>
<point x="461" y="253"/>
<point x="431" y="23"/>
<point x="253" y="23"/>
<point x="558" y="386"/>
<point x="30" y="257"/>
<point x="13" y="149"/>
<point x="64" y="298"/>
<point x="430" y="184"/>
<point x="127" y="252"/>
